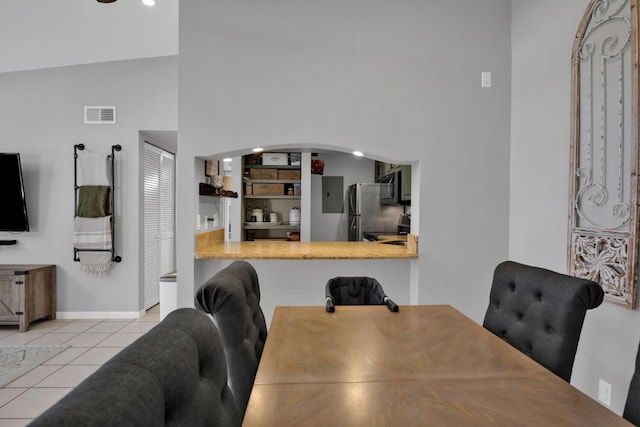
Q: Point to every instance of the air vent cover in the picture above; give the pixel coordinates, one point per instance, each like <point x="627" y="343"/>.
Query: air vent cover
<point x="99" y="115"/>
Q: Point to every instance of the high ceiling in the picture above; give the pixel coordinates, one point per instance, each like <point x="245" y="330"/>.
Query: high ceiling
<point x="51" y="33"/>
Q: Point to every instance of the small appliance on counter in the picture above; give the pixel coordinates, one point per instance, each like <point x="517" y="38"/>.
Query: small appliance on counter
<point x="404" y="225"/>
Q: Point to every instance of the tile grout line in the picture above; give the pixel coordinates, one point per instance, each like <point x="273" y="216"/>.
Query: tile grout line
<point x="108" y="333"/>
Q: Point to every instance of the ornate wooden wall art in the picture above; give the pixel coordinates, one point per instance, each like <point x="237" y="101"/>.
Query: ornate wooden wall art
<point x="603" y="219"/>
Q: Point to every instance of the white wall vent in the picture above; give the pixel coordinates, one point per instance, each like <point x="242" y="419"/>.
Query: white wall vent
<point x="99" y="115"/>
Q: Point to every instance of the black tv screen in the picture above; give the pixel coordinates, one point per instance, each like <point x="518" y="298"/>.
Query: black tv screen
<point x="13" y="213"/>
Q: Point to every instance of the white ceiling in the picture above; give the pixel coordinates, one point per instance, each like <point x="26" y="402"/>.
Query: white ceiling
<point x="51" y="33"/>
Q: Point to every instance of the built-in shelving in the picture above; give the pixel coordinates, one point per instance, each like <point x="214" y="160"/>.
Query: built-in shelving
<point x="272" y="197"/>
<point x="254" y="166"/>
<point x="276" y="185"/>
<point x="272" y="227"/>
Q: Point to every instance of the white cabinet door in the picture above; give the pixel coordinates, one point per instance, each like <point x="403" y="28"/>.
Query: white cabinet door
<point x="159" y="220"/>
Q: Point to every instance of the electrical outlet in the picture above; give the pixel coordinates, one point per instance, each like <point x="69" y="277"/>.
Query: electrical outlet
<point x="604" y="392"/>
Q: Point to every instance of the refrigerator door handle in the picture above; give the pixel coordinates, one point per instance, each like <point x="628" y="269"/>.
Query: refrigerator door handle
<point x="391" y="188"/>
<point x="353" y="192"/>
<point x="354" y="229"/>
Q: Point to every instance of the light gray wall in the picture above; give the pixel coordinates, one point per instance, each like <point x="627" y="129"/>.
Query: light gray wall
<point x="398" y="79"/>
<point x="543" y="32"/>
<point x="303" y="282"/>
<point x="42" y="119"/>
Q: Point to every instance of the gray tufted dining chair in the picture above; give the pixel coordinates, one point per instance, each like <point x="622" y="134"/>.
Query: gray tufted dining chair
<point x="232" y="298"/>
<point x="631" y="411"/>
<point x="174" y="375"/>
<point x="540" y="312"/>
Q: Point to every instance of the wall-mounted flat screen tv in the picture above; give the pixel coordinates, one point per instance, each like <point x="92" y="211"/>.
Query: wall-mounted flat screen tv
<point x="13" y="213"/>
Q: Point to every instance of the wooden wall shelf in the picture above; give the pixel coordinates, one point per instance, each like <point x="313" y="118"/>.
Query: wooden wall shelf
<point x="210" y="190"/>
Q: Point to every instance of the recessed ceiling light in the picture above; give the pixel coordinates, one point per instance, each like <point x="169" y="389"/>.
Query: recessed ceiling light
<point x="358" y="153"/>
<point x="257" y="149"/>
<point x="106" y="1"/>
<point x="149" y="2"/>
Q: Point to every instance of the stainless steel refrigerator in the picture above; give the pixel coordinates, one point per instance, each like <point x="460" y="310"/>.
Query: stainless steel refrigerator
<point x="366" y="214"/>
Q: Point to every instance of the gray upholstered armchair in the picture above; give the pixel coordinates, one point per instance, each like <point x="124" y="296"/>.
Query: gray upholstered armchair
<point x="232" y="297"/>
<point x="174" y="375"/>
<point x="540" y="312"/>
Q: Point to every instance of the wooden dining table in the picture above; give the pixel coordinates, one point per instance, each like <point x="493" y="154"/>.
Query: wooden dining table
<point x="423" y="366"/>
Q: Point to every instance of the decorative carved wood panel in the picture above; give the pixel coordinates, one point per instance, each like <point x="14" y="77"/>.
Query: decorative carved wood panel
<point x="603" y="223"/>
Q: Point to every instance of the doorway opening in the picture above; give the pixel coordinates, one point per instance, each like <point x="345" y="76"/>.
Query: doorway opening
<point x="159" y="219"/>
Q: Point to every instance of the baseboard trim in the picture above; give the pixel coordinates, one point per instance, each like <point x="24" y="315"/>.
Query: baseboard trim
<point x="100" y="314"/>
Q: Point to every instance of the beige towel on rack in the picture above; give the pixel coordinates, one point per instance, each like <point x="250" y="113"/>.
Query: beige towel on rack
<point x="93" y="233"/>
<point x="93" y="169"/>
<point x="93" y="201"/>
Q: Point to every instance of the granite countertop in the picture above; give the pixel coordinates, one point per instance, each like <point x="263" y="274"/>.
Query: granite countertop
<point x="211" y="245"/>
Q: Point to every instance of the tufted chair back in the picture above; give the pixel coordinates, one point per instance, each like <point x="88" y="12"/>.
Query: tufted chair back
<point x="632" y="406"/>
<point x="174" y="375"/>
<point x="232" y="297"/>
<point x="356" y="291"/>
<point x="540" y="312"/>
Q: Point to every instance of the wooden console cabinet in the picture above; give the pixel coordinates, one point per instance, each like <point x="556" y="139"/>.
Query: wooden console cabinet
<point x="27" y="293"/>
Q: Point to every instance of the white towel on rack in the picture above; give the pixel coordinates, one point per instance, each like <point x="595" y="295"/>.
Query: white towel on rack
<point x="93" y="169"/>
<point x="93" y="233"/>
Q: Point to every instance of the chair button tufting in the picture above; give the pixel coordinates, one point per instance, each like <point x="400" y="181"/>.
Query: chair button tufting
<point x="549" y="329"/>
<point x="519" y="316"/>
<point x="512" y="286"/>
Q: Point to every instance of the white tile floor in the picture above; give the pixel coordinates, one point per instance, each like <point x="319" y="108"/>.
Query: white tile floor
<point x="92" y="342"/>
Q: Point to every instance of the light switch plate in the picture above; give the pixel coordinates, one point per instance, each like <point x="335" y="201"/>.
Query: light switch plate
<point x="486" y="79"/>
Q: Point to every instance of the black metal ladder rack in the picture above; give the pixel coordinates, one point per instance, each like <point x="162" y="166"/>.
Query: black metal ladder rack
<point x="76" y="187"/>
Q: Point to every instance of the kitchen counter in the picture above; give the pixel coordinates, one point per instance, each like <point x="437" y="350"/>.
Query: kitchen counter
<point x="211" y="245"/>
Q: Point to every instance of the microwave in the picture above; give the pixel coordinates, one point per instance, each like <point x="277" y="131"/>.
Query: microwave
<point x="395" y="188"/>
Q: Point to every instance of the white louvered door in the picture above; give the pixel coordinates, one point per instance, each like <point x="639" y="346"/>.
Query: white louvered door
<point x="159" y="220"/>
